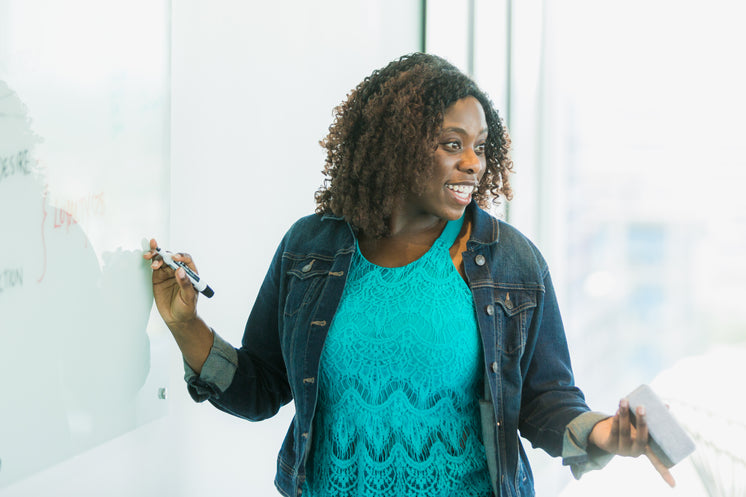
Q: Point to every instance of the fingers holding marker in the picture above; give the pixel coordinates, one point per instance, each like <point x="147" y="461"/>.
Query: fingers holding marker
<point x="151" y="254"/>
<point x="183" y="280"/>
<point x="149" y="249"/>
<point x="183" y="257"/>
<point x="183" y="262"/>
<point x="156" y="263"/>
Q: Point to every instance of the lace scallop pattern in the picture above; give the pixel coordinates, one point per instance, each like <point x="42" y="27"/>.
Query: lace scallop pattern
<point x="398" y="410"/>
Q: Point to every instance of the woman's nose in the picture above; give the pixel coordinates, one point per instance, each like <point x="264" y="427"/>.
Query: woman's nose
<point x="470" y="162"/>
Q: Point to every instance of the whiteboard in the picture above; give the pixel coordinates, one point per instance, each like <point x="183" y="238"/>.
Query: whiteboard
<point x="84" y="178"/>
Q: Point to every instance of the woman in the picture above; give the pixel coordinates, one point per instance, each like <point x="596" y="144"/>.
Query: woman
<point x="415" y="333"/>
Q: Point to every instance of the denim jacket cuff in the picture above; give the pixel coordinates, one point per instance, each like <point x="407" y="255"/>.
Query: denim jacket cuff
<point x="217" y="371"/>
<point x="575" y="450"/>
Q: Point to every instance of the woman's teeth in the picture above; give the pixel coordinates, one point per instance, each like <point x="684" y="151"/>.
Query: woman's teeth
<point x="463" y="189"/>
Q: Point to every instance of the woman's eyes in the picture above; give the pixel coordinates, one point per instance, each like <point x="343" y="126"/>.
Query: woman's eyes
<point x="455" y="146"/>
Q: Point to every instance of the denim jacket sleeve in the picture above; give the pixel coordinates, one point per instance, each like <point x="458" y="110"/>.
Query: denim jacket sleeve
<point x="249" y="382"/>
<point x="575" y="450"/>
<point x="217" y="371"/>
<point x="550" y="399"/>
<point x="553" y="409"/>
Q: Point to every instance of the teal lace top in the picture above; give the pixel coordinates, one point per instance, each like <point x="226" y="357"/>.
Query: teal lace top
<point x="398" y="411"/>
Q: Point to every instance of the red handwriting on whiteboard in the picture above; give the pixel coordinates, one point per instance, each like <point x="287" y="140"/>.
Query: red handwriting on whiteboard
<point x="83" y="208"/>
<point x="67" y="215"/>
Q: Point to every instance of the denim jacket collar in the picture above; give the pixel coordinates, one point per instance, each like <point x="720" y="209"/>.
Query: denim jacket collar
<point x="485" y="228"/>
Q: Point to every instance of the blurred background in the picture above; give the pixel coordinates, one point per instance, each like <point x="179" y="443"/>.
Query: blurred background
<point x="627" y="120"/>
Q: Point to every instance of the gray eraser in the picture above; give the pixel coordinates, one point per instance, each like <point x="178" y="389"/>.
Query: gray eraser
<point x="667" y="439"/>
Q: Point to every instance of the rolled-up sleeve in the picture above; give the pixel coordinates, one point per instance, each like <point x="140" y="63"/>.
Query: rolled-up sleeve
<point x="217" y="371"/>
<point x="575" y="450"/>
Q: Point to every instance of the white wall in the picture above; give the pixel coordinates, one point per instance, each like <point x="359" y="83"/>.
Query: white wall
<point x="253" y="87"/>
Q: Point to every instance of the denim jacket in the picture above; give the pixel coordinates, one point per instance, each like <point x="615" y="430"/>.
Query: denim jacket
<point x="528" y="382"/>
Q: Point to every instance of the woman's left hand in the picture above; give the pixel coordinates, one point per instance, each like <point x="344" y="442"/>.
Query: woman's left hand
<point x="616" y="435"/>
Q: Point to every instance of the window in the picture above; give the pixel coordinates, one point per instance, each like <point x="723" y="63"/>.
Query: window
<point x="628" y="125"/>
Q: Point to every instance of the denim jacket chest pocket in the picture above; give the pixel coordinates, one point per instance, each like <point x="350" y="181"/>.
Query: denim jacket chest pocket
<point x="305" y="279"/>
<point x="514" y="310"/>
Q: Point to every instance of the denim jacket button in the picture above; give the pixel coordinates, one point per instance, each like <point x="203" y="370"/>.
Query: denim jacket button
<point x="307" y="267"/>
<point x="490" y="310"/>
<point x="508" y="302"/>
<point x="480" y="260"/>
<point x="494" y="367"/>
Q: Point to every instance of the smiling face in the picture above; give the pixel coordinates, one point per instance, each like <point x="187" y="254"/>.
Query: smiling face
<point x="458" y="166"/>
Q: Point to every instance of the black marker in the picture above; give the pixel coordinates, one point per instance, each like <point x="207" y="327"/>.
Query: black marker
<point x="200" y="285"/>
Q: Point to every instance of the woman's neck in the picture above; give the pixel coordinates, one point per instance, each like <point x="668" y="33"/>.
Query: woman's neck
<point x="406" y="246"/>
<point x="407" y="242"/>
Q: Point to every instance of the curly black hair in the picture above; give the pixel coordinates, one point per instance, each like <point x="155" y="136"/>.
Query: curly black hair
<point x="382" y="142"/>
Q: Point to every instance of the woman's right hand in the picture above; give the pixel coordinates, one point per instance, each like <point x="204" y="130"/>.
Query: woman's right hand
<point x="176" y="300"/>
<point x="175" y="297"/>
